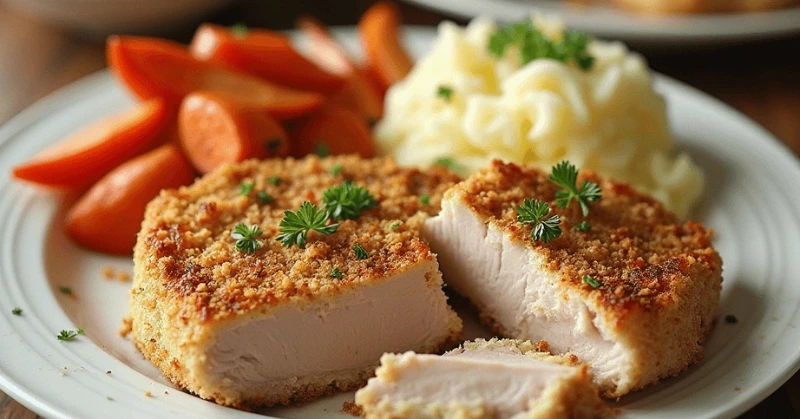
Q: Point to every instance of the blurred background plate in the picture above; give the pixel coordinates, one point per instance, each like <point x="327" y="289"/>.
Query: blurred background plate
<point x="607" y="21"/>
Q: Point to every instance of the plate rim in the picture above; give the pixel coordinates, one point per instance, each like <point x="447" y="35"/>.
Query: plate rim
<point x="32" y="399"/>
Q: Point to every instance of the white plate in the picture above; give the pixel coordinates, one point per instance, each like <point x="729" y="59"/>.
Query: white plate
<point x="607" y="21"/>
<point x="751" y="201"/>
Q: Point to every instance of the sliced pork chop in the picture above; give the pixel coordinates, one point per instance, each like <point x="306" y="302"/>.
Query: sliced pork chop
<point x="495" y="379"/>
<point x="659" y="279"/>
<point x="276" y="326"/>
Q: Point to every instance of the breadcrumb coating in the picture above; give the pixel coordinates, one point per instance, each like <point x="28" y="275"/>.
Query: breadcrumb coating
<point x="638" y="251"/>
<point x="186" y="240"/>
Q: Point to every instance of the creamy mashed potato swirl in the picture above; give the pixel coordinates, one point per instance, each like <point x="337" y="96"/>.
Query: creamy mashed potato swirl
<point x="608" y="119"/>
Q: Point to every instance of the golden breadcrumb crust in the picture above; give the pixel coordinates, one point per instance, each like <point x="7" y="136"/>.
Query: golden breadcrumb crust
<point x="186" y="242"/>
<point x="660" y="278"/>
<point x="189" y="280"/>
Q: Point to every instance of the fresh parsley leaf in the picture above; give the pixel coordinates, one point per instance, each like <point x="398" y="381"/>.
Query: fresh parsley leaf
<point x="444" y="92"/>
<point x="395" y="225"/>
<point x="264" y="197"/>
<point x="65" y="290"/>
<point x="583" y="226"/>
<point x="246" y="238"/>
<point x="336" y="169"/>
<point x="347" y="200"/>
<point x="274" y="180"/>
<point x="66" y="335"/>
<point x="565" y="175"/>
<point x="591" y="281"/>
<point x="533" y="212"/>
<point x="16" y="311"/>
<point x="321" y="150"/>
<point x="239" y="30"/>
<point x="358" y="249"/>
<point x="336" y="273"/>
<point x="425" y="199"/>
<point x="534" y="45"/>
<point x="246" y="188"/>
<point x="295" y="226"/>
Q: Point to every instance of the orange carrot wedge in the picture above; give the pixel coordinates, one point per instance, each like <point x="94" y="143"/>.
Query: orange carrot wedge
<point x="87" y="155"/>
<point x="379" y="28"/>
<point x="264" y="54"/>
<point x="333" y="130"/>
<point x="215" y="130"/>
<point x="107" y="218"/>
<point x="358" y="94"/>
<point x="153" y="67"/>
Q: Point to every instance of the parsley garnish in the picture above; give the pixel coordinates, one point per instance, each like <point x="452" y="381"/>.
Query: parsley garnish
<point x="591" y="281"/>
<point x="295" y="226"/>
<point x="425" y="199"/>
<point x="449" y="163"/>
<point x="80" y="330"/>
<point x="321" y="150"/>
<point x="534" y="45"/>
<point x="336" y="169"/>
<point x="65" y="290"/>
<point x="246" y="238"/>
<point x="444" y="92"/>
<point x="264" y="197"/>
<point x="395" y="225"/>
<point x="565" y="175"/>
<point x="246" y="188"/>
<point x="533" y="212"/>
<point x="239" y="30"/>
<point x="583" y="226"/>
<point x="67" y="335"/>
<point x="347" y="200"/>
<point x="358" y="249"/>
<point x="16" y="311"/>
<point x="336" y="273"/>
<point x="274" y="180"/>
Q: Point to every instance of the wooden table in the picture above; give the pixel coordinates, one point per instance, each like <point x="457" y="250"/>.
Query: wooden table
<point x="761" y="80"/>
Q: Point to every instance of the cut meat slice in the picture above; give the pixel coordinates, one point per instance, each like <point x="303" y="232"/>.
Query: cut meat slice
<point x="287" y="325"/>
<point x="483" y="379"/>
<point x="658" y="280"/>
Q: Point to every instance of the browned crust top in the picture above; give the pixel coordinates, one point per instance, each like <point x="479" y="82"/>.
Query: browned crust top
<point x="639" y="252"/>
<point x="186" y="246"/>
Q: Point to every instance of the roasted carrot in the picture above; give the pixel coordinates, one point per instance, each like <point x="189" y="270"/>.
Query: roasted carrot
<point x="89" y="154"/>
<point x="333" y="130"/>
<point x="380" y="35"/>
<point x="107" y="218"/>
<point x="263" y="54"/>
<point x="358" y="93"/>
<point x="153" y="67"/>
<point x="215" y="130"/>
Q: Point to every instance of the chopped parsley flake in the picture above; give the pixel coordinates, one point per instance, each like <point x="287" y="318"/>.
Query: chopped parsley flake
<point x="444" y="92"/>
<point x="66" y="335"/>
<point x="239" y="30"/>
<point x="425" y="199"/>
<point x="336" y="273"/>
<point x="336" y="169"/>
<point x="321" y="150"/>
<point x="246" y="188"/>
<point x="583" y="226"/>
<point x="591" y="281"/>
<point x="534" y="45"/>
<point x="264" y="197"/>
<point x="16" y="311"/>
<point x="395" y="225"/>
<point x="274" y="145"/>
<point x="274" y="180"/>
<point x="360" y="252"/>
<point x="65" y="290"/>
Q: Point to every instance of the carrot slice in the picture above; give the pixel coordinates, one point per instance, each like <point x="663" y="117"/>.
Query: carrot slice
<point x="379" y="28"/>
<point x="87" y="155"/>
<point x="333" y="130"/>
<point x="107" y="218"/>
<point x="215" y="130"/>
<point x="262" y="54"/>
<point x="358" y="93"/>
<point x="153" y="67"/>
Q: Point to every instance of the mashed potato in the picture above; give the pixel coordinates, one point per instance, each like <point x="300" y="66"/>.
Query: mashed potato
<point x="608" y="119"/>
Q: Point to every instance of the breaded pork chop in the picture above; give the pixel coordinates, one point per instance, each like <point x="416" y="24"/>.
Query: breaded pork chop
<point x="634" y="297"/>
<point x="278" y="325"/>
<point x="494" y="379"/>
